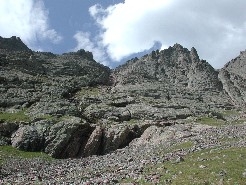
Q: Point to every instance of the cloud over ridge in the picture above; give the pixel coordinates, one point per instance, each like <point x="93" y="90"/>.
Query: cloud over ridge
<point x="216" y="28"/>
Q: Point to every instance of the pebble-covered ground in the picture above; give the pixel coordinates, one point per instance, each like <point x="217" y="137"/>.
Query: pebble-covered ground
<point x="123" y="164"/>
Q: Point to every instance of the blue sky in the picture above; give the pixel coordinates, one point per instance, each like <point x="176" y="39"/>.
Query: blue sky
<point x="117" y="30"/>
<point x="69" y="16"/>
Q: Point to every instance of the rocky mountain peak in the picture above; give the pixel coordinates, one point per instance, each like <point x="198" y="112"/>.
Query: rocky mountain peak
<point x="173" y="66"/>
<point x="194" y="55"/>
<point x="178" y="47"/>
<point x="13" y="44"/>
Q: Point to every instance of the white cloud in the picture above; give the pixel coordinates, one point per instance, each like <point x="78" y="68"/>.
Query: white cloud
<point x="84" y="42"/>
<point x="215" y="28"/>
<point x="28" y="20"/>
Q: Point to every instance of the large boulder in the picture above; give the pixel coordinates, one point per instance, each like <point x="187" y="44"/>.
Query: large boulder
<point x="31" y="137"/>
<point x="156" y="134"/>
<point x="6" y="130"/>
<point x="67" y="137"/>
<point x="118" y="136"/>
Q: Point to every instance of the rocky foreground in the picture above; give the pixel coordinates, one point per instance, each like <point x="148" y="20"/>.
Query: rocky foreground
<point x="143" y="161"/>
<point x="107" y="126"/>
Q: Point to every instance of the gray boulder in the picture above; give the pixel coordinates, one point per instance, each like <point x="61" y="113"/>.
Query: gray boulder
<point x="6" y="130"/>
<point x="67" y="137"/>
<point x="115" y="137"/>
<point x="30" y="137"/>
<point x="156" y="134"/>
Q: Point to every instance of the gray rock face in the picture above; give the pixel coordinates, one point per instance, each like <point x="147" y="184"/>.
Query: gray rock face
<point x="66" y="138"/>
<point x="53" y="108"/>
<point x="115" y="137"/>
<point x="170" y="84"/>
<point x="28" y="138"/>
<point x="233" y="77"/>
<point x="37" y="78"/>
<point x="154" y="134"/>
<point x="95" y="112"/>
<point x="31" y="137"/>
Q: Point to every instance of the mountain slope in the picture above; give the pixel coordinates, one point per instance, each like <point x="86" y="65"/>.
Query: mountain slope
<point x="71" y="106"/>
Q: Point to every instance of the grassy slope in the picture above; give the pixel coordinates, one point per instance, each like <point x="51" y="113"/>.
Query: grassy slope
<point x="7" y="152"/>
<point x="210" y="166"/>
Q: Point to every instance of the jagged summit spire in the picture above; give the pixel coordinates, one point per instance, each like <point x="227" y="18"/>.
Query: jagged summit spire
<point x="194" y="55"/>
<point x="178" y="46"/>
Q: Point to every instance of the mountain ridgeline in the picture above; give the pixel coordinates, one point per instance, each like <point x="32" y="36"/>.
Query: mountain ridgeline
<point x="71" y="106"/>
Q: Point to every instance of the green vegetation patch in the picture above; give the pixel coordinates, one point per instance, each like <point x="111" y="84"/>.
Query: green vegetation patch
<point x="184" y="145"/>
<point x="90" y="91"/>
<point x="18" y="116"/>
<point x="239" y="121"/>
<point x="230" y="113"/>
<point x="133" y="121"/>
<point x="210" y="166"/>
<point x="52" y="118"/>
<point x="211" y="121"/>
<point x="214" y="166"/>
<point x="7" y="152"/>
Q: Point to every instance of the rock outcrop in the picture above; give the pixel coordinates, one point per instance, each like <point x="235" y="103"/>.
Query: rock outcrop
<point x="13" y="44"/>
<point x="71" y="106"/>
<point x="233" y="77"/>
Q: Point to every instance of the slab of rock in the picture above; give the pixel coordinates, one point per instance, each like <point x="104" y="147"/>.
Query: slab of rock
<point x="66" y="138"/>
<point x="93" y="143"/>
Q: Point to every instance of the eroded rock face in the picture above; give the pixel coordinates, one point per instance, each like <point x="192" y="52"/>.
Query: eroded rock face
<point x="233" y="78"/>
<point x="14" y="44"/>
<point x="66" y="138"/>
<point x="114" y="137"/>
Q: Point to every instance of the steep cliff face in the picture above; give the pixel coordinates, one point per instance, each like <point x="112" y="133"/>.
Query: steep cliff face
<point x="233" y="78"/>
